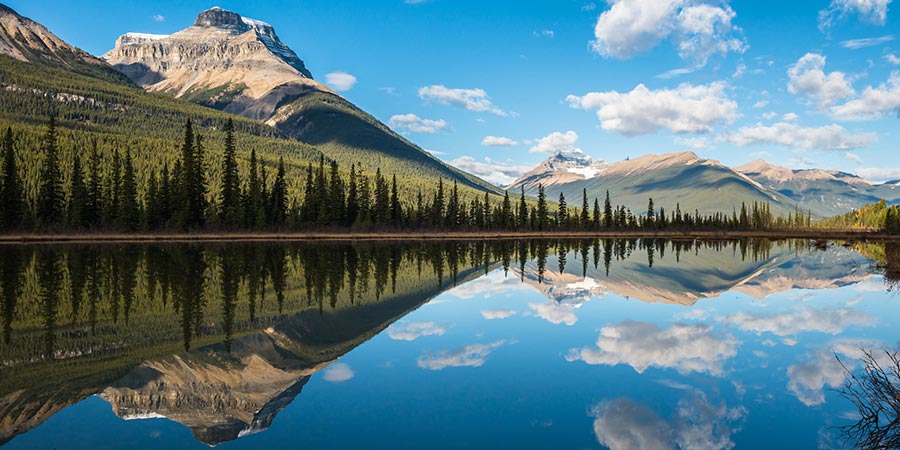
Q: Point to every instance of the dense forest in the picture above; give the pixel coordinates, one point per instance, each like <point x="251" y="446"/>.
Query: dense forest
<point x="878" y="215"/>
<point x="89" y="198"/>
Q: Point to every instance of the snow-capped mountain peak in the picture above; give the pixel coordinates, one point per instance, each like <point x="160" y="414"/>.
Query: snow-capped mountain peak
<point x="563" y="167"/>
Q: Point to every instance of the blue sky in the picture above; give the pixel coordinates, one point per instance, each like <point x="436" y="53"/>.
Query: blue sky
<point x="799" y="83"/>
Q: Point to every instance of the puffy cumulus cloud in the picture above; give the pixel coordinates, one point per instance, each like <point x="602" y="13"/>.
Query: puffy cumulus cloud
<point x="496" y="172"/>
<point x="338" y="373"/>
<point x="557" y="142"/>
<point x="476" y="100"/>
<point x="873" y="103"/>
<point x="871" y="11"/>
<point x="790" y="117"/>
<point x="829" y="137"/>
<point x="498" y="141"/>
<point x="694" y="143"/>
<point x="685" y="348"/>
<point x="807" y="380"/>
<point x="807" y="78"/>
<point x="623" y="424"/>
<point x="829" y="321"/>
<point x="698" y="29"/>
<point x="892" y="58"/>
<point x="555" y="313"/>
<point x="497" y="314"/>
<point x="474" y="355"/>
<point x="415" y="124"/>
<point x="415" y="330"/>
<point x="340" y="81"/>
<point x="685" y="109"/>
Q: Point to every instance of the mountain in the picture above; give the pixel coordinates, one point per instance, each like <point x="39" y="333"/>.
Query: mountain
<point x="824" y="192"/>
<point x="562" y="168"/>
<point x="675" y="178"/>
<point x="239" y="65"/>
<point x="26" y="40"/>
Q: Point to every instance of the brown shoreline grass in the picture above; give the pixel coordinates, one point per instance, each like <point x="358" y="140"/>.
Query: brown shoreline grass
<point x="337" y="236"/>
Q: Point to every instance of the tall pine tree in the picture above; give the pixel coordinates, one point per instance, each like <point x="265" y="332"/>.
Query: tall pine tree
<point x="230" y="196"/>
<point x="11" y="193"/>
<point x="50" y="197"/>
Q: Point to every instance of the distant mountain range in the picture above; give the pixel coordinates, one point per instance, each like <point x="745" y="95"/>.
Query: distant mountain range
<point x="706" y="185"/>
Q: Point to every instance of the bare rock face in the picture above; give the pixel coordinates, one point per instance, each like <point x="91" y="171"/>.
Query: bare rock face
<point x="224" y="61"/>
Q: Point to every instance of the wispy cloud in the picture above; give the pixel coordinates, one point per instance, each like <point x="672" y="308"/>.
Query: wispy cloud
<point x="855" y="44"/>
<point x="476" y="100"/>
<point x="414" y="124"/>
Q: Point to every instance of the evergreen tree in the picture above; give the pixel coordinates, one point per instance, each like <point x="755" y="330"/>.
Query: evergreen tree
<point x="437" y="206"/>
<point x="94" y="202"/>
<point x="11" y="189"/>
<point x="50" y="196"/>
<point x="562" y="215"/>
<point x="607" y="212"/>
<point x="542" y="212"/>
<point x="352" y="197"/>
<point x="651" y="213"/>
<point x="230" y="196"/>
<point x="506" y="213"/>
<point x="396" y="214"/>
<point x="523" y="210"/>
<point x="279" y="196"/>
<point x="336" y="201"/>
<point x="585" y="213"/>
<point x="596" y="218"/>
<point x="253" y="192"/>
<point x="77" y="196"/>
<point x="129" y="213"/>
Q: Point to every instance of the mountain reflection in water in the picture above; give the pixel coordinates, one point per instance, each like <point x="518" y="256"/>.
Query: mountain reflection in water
<point x="222" y="338"/>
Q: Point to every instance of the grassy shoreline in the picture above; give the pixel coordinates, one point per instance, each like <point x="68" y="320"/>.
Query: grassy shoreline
<point x="337" y="236"/>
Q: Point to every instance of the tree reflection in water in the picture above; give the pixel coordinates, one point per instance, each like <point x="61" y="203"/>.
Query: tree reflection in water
<point x="875" y="392"/>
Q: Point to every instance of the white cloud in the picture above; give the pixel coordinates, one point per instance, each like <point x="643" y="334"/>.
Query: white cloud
<point x="685" y="109"/>
<point x="829" y="137"/>
<point x="854" y="157"/>
<point x="557" y="142"/>
<point x="555" y="313"/>
<point x="697" y="29"/>
<point x="340" y="81"/>
<point x="873" y="103"/>
<point x="685" y="348"/>
<point x="471" y="99"/>
<point x="879" y="175"/>
<point x="739" y="71"/>
<point x="497" y="314"/>
<point x="415" y="330"/>
<point x="624" y="424"/>
<point x="790" y="117"/>
<point x="892" y="58"/>
<point x="544" y="33"/>
<point x="808" y="78"/>
<point x="807" y="381"/>
<point x="695" y="143"/>
<point x="855" y="44"/>
<point x="770" y="115"/>
<point x="829" y="321"/>
<point x="871" y="11"/>
<point x="474" y="355"/>
<point x="498" y="141"/>
<point x="496" y="172"/>
<point x="338" y="373"/>
<point x="159" y="18"/>
<point x="675" y="73"/>
<point x="497" y="282"/>
<point x="761" y="104"/>
<point x="415" y="124"/>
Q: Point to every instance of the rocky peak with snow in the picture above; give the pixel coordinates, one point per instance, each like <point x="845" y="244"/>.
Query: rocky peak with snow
<point x="223" y="60"/>
<point x="561" y="168"/>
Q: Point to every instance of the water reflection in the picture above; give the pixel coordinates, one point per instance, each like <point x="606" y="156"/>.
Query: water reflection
<point x="222" y="338"/>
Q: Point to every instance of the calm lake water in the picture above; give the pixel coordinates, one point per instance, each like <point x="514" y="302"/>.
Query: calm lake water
<point x="510" y="344"/>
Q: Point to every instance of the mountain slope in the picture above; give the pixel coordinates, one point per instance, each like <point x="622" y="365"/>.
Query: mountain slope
<point x="239" y="65"/>
<point x="824" y="192"/>
<point x="676" y="178"/>
<point x="561" y="168"/>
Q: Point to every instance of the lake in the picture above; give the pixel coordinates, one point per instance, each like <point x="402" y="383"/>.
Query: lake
<point x="496" y="344"/>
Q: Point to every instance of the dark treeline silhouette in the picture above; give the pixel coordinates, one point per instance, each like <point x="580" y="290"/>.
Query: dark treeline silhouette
<point x="333" y="197"/>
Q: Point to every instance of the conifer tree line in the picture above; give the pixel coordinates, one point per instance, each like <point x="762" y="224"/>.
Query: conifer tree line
<point x="175" y="198"/>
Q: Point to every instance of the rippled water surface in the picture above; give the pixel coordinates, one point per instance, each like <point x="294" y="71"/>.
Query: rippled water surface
<point x="508" y="344"/>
